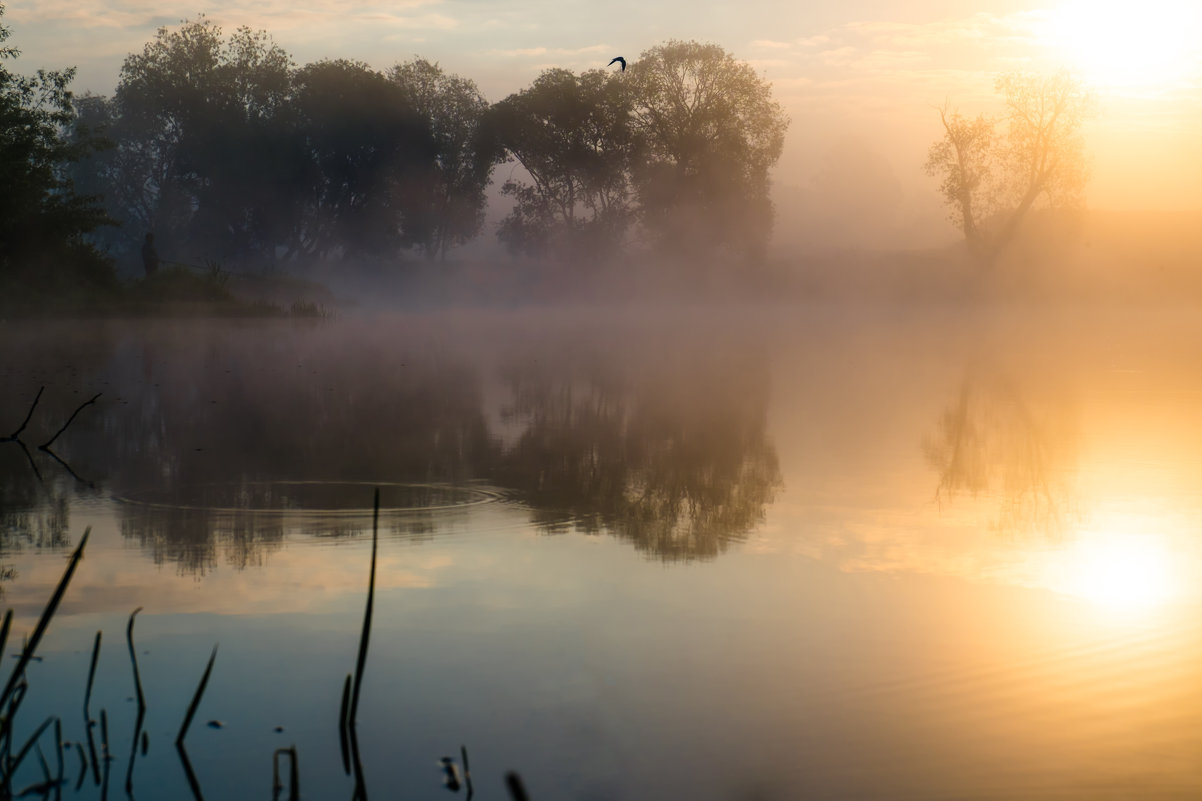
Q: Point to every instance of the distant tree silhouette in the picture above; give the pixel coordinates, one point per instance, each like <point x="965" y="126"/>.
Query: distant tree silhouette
<point x="225" y="150"/>
<point x="197" y="121"/>
<point x="43" y="218"/>
<point x="572" y="135"/>
<point x="367" y="145"/>
<point x="445" y="204"/>
<point x="711" y="132"/>
<point x="994" y="170"/>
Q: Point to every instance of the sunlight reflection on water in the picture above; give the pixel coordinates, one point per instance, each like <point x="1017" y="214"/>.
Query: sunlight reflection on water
<point x="872" y="555"/>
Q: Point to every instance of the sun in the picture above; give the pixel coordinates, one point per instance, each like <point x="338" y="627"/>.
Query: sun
<point x="1142" y="47"/>
<point x="1119" y="572"/>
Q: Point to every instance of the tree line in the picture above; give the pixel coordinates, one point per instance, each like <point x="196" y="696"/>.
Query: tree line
<point x="227" y="150"/>
<point x="222" y="145"/>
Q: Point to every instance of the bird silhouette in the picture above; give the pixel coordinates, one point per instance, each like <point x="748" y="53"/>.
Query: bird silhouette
<point x="618" y="60"/>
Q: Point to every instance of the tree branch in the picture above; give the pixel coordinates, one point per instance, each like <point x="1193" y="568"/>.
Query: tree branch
<point x="45" y="446"/>
<point x="25" y="422"/>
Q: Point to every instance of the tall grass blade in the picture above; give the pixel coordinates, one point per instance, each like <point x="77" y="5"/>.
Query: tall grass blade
<point x="16" y="761"/>
<point x="188" y="772"/>
<point x="467" y="772"/>
<point x="6" y="722"/>
<point x="133" y="747"/>
<point x="204" y="680"/>
<point x="342" y="724"/>
<point x="58" y="749"/>
<point x="4" y="629"/>
<point x="133" y="658"/>
<point x="133" y="753"/>
<point x="517" y="790"/>
<point x="90" y="728"/>
<point x="360" y="793"/>
<point x="371" y="593"/>
<point x="47" y="780"/>
<point x="104" y="736"/>
<point x="44" y="621"/>
<point x="87" y="696"/>
<point x="83" y="766"/>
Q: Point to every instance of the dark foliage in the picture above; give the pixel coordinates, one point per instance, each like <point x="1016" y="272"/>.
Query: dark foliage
<point x="43" y="219"/>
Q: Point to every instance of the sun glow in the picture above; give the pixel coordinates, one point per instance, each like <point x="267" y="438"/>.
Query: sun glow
<point x="1142" y="48"/>
<point x="1120" y="572"/>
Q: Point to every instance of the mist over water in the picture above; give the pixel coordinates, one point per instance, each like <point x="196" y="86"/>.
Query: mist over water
<point x="718" y="551"/>
<point x="705" y="424"/>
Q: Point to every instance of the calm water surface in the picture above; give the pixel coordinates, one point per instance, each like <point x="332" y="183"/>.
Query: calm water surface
<point x="758" y="554"/>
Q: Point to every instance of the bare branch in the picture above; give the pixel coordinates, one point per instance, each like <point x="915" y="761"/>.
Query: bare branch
<point x="45" y="446"/>
<point x="25" y="422"/>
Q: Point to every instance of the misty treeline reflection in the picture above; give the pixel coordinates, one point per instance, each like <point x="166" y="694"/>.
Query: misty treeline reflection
<point x="209" y="438"/>
<point x="994" y="439"/>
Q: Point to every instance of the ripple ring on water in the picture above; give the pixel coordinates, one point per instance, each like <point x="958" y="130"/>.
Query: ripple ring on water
<point x="312" y="497"/>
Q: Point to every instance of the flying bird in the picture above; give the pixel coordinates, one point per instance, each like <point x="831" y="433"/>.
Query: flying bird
<point x="618" y="60"/>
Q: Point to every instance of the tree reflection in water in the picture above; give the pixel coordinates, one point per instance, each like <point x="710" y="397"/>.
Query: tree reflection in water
<point x="671" y="454"/>
<point x="227" y="439"/>
<point x="993" y="441"/>
<point x="193" y="539"/>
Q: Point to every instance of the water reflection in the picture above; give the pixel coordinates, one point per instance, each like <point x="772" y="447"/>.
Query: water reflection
<point x="33" y="512"/>
<point x="220" y="441"/>
<point x="673" y="457"/>
<point x="993" y="439"/>
<point x="240" y="524"/>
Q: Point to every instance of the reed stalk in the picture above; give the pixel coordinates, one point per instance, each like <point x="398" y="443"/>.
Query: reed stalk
<point x="342" y="724"/>
<point x="365" y="637"/>
<point x="517" y="790"/>
<point x="204" y="680"/>
<point x="133" y="658"/>
<point x="44" y="621"/>
<point x="87" y="695"/>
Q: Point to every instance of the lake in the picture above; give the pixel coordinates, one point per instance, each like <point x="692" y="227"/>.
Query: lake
<point x="708" y="553"/>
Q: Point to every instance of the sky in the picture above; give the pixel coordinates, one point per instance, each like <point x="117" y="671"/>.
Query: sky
<point x="860" y="79"/>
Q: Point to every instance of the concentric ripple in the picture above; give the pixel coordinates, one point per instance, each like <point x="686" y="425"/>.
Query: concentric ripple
<point x="310" y="497"/>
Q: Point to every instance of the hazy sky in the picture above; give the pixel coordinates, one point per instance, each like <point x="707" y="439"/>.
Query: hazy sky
<point x="859" y="78"/>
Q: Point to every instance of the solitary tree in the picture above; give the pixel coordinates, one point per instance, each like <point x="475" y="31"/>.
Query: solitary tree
<point x="994" y="170"/>
<point x="711" y="131"/>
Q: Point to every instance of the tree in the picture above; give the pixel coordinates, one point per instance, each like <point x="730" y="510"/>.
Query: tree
<point x="43" y="219"/>
<point x="993" y="171"/>
<point x="711" y="132"/>
<point x="673" y="457"/>
<point x="446" y="205"/>
<point x="571" y="133"/>
<point x="366" y="145"/>
<point x="202" y="157"/>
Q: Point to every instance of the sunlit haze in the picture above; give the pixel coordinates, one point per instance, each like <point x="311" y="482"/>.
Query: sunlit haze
<point x="721" y="401"/>
<point x="860" y="80"/>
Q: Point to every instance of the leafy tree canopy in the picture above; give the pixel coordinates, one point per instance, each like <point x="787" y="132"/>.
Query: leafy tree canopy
<point x="43" y="220"/>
